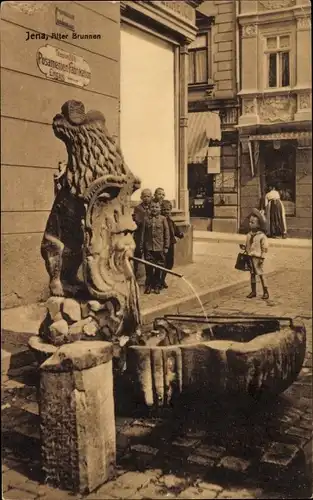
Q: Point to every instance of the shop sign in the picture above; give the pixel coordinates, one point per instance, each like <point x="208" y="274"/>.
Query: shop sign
<point x="62" y="66"/>
<point x="180" y="9"/>
<point x="64" y="19"/>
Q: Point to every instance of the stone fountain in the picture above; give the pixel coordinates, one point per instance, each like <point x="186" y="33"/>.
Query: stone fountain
<point x="93" y="310"/>
<point x="93" y="322"/>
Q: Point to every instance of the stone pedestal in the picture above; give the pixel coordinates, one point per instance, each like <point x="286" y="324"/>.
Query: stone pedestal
<point x="76" y="408"/>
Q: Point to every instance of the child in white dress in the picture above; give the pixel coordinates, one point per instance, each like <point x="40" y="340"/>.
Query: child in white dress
<point x="257" y="246"/>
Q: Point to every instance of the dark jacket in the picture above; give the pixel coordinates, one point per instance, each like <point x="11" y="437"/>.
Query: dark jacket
<point x="140" y="212"/>
<point x="174" y="231"/>
<point x="155" y="234"/>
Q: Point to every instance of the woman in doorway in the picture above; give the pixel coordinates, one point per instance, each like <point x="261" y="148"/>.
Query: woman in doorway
<point x="275" y="214"/>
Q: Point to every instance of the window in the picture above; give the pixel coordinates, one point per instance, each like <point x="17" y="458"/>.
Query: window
<point x="198" y="60"/>
<point x="278" y="61"/>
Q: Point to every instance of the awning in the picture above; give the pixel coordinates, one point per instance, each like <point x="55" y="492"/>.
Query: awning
<point x="252" y="142"/>
<point x="201" y="128"/>
<point x="281" y="136"/>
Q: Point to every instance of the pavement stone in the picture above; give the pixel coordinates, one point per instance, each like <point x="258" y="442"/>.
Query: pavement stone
<point x="194" y="492"/>
<point x="288" y="424"/>
<point x="17" y="494"/>
<point x="234" y="464"/>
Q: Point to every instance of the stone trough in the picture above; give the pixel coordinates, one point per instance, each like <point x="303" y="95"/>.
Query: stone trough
<point x="239" y="357"/>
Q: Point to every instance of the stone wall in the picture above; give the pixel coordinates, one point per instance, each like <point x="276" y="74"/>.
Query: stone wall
<point x="226" y="191"/>
<point x="224" y="50"/>
<point x="30" y="151"/>
<point x="250" y="190"/>
<point x="301" y="224"/>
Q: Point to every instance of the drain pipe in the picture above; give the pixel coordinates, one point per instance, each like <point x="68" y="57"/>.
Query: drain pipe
<point x="238" y="88"/>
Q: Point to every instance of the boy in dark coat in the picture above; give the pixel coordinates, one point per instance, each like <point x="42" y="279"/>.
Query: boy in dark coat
<point x="140" y="212"/>
<point x="154" y="243"/>
<point x="166" y="210"/>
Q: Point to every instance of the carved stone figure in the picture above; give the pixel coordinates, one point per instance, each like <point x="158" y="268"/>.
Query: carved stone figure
<point x="276" y="4"/>
<point x="277" y="108"/>
<point x="90" y="229"/>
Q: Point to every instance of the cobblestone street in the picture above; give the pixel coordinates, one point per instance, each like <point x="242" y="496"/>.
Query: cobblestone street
<point x="219" y="452"/>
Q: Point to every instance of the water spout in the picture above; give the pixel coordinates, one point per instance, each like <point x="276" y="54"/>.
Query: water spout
<point x="143" y="261"/>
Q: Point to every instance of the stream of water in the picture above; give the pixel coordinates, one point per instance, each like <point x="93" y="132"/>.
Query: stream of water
<point x="196" y="295"/>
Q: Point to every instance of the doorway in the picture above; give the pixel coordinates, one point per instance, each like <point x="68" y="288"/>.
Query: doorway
<point x="279" y="159"/>
<point x="201" y="200"/>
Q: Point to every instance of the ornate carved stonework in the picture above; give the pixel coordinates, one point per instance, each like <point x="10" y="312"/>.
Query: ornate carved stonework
<point x="276" y="4"/>
<point x="304" y="23"/>
<point x="228" y="116"/>
<point x="304" y="100"/>
<point x="28" y="7"/>
<point x="249" y="30"/>
<point x="90" y="228"/>
<point x="277" y="108"/>
<point x="249" y="107"/>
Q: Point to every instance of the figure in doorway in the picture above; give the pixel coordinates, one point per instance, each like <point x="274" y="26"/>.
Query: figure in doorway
<point x="275" y="214"/>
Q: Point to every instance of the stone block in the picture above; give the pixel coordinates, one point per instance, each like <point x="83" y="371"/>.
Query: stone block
<point x="223" y="18"/>
<point x="225" y="85"/>
<point x="225" y="47"/>
<point x="224" y="66"/>
<point x="224" y="94"/>
<point x="225" y="7"/>
<point x="194" y="492"/>
<point x="229" y="162"/>
<point x="199" y="460"/>
<point x="223" y="37"/>
<point x="223" y="55"/>
<point x="225" y="27"/>
<point x="305" y="213"/>
<point x="210" y="486"/>
<point x="222" y="75"/>
<point x="229" y="198"/>
<point x="184" y="247"/>
<point x="226" y="212"/>
<point x="279" y="454"/>
<point x="224" y="225"/>
<point x="234" y="464"/>
<point x="77" y="416"/>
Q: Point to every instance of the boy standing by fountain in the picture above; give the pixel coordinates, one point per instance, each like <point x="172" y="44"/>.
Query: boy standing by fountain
<point x="154" y="243"/>
<point x="256" y="247"/>
<point x="159" y="195"/>
<point x="140" y="212"/>
<point x="166" y="210"/>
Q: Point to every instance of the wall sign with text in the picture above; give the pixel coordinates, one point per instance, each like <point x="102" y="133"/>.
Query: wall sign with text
<point x="62" y="66"/>
<point x="64" y="19"/>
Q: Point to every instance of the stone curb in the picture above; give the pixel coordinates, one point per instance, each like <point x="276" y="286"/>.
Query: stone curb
<point x="211" y="237"/>
<point x="24" y="356"/>
<point x="182" y="305"/>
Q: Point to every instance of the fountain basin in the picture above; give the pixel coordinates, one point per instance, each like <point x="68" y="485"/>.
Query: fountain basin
<point x="263" y="359"/>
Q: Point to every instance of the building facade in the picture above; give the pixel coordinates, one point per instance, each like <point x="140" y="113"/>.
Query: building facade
<point x="155" y="37"/>
<point x="275" y="114"/>
<point x="213" y="148"/>
<point x="39" y="40"/>
<point x="30" y="100"/>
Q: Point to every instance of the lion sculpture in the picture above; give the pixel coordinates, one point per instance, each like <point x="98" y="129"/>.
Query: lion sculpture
<point x="90" y="228"/>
